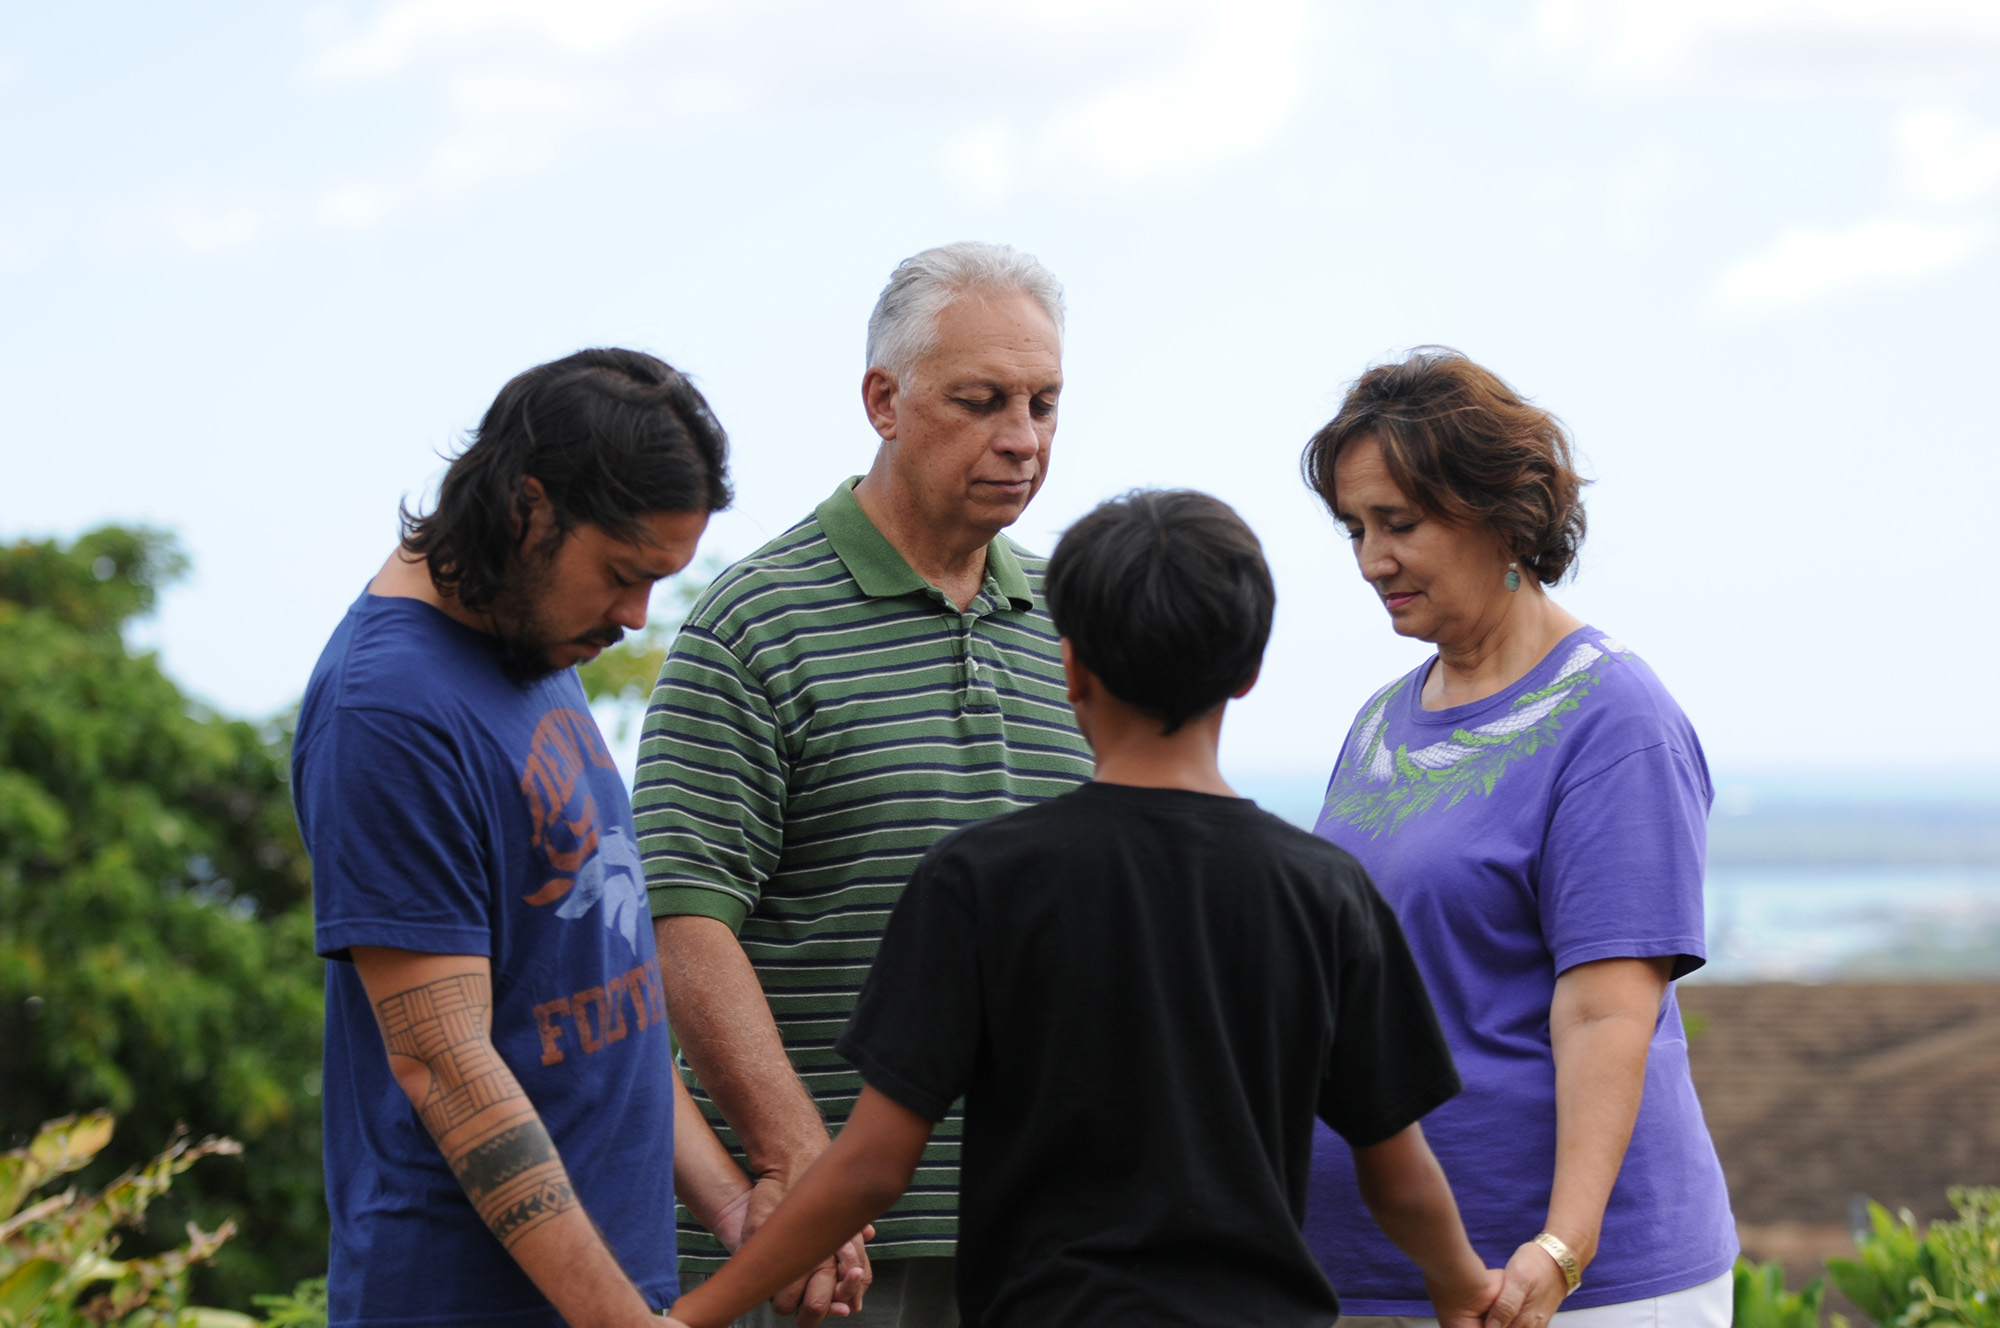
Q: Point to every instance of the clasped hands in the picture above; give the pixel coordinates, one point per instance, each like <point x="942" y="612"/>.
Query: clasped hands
<point x="1531" y="1290"/>
<point x="1522" y="1295"/>
<point x="835" y="1288"/>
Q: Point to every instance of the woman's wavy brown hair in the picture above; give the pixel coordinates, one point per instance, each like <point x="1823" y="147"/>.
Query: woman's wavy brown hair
<point x="1465" y="447"/>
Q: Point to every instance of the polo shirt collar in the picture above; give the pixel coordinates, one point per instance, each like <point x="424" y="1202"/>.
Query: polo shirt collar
<point x="881" y="571"/>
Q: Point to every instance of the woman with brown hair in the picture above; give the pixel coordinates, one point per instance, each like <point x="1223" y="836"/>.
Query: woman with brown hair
<point x="1533" y="805"/>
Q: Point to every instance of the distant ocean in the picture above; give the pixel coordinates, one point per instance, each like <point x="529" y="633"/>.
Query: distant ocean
<point x="1825" y="878"/>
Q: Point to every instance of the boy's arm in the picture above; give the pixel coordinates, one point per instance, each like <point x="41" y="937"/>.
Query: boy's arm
<point x="1406" y="1191"/>
<point x="435" y="1013"/>
<point x="866" y="1169"/>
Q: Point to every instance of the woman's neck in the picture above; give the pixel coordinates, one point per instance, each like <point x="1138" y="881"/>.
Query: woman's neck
<point x="1498" y="651"/>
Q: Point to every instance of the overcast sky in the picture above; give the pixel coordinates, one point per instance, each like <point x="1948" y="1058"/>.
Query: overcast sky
<point x="261" y="263"/>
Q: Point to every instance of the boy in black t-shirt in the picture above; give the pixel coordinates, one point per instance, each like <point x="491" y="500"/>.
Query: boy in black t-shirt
<point x="1144" y="990"/>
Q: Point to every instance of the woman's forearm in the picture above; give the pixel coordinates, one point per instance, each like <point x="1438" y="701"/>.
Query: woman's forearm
<point x="1600" y="1026"/>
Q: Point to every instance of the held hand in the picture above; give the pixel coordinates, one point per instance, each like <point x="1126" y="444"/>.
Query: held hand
<point x="812" y="1295"/>
<point x="834" y="1288"/>
<point x="1532" y="1293"/>
<point x="730" y="1221"/>
<point x="1466" y="1306"/>
<point x="856" y="1274"/>
<point x="837" y="1286"/>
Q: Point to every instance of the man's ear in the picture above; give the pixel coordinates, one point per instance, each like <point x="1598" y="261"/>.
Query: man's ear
<point x="532" y="511"/>
<point x="879" y="397"/>
<point x="1081" y="686"/>
<point x="1244" y="690"/>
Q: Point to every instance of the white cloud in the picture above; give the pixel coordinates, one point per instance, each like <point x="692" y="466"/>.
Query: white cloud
<point x="1776" y="48"/>
<point x="1946" y="156"/>
<point x="187" y="219"/>
<point x="1015" y="95"/>
<point x="1064" y="93"/>
<point x="1231" y="91"/>
<point x="403" y="33"/>
<point x="1805" y="268"/>
<point x="355" y="207"/>
<point x="1635" y="191"/>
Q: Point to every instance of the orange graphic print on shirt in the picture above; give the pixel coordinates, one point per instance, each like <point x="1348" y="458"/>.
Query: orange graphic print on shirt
<point x="589" y="861"/>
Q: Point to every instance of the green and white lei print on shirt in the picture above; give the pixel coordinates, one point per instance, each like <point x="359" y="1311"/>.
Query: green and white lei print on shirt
<point x="1469" y="759"/>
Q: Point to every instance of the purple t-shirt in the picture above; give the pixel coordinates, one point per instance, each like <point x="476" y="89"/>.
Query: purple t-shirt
<point x="1560" y="821"/>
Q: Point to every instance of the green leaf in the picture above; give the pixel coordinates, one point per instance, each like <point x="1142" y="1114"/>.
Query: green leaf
<point x="24" y="1290"/>
<point x="1762" y="1301"/>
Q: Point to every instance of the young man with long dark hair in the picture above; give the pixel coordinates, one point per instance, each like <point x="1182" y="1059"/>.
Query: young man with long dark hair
<point x="499" y="1102"/>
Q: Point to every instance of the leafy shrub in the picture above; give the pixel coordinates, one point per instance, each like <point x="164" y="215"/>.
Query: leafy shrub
<point x="305" y="1307"/>
<point x="56" y="1264"/>
<point x="1947" y="1278"/>
<point x="1763" y="1302"/>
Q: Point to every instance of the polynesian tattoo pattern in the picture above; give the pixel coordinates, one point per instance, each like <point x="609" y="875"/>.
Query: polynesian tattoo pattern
<point x="484" y="1124"/>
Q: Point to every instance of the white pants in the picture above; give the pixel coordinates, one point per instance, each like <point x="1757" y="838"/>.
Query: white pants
<point x="1710" y="1305"/>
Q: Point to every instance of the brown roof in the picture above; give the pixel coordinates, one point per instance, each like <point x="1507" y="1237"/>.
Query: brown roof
<point x="1814" y="1094"/>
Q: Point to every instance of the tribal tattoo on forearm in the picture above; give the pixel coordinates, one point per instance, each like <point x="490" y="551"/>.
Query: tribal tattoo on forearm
<point x="489" y="1132"/>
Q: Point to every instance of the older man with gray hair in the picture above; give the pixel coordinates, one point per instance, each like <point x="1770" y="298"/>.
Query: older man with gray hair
<point x="873" y="678"/>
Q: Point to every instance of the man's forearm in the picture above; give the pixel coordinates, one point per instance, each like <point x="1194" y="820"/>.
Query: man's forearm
<point x="726" y="1030"/>
<point x="706" y="1177"/>
<point x="442" y="1054"/>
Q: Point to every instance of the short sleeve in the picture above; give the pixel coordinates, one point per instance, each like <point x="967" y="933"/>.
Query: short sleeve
<point x="399" y="857"/>
<point x="915" y="1028"/>
<point x="708" y="801"/>
<point x="1390" y="1064"/>
<point x="1623" y="863"/>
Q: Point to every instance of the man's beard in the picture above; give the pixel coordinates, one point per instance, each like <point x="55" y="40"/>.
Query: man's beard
<point x="521" y="627"/>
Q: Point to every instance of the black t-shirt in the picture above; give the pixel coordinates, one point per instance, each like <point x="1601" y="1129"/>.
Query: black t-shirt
<point x="1144" y="996"/>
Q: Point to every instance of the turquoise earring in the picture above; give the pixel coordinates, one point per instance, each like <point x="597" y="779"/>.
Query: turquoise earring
<point x="1513" y="576"/>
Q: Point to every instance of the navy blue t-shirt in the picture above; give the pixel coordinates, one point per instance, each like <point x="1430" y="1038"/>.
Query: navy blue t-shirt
<point x="451" y="810"/>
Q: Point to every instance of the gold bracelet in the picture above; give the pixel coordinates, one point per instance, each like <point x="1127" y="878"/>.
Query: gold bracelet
<point x="1565" y="1259"/>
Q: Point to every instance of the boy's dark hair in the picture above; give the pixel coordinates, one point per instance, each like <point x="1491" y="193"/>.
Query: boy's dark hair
<point x="1164" y="595"/>
<point x="612" y="435"/>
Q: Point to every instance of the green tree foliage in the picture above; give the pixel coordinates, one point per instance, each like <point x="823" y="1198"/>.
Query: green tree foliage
<point x="57" y="1264"/>
<point x="621" y="679"/>
<point x="156" y="954"/>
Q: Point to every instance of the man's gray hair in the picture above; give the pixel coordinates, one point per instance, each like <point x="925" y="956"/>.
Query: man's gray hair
<point x="904" y="327"/>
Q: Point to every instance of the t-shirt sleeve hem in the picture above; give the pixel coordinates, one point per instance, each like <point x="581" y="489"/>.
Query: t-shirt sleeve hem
<point x="1392" y="1122"/>
<point x="682" y="900"/>
<point x="892" y="1085"/>
<point x="1688" y="953"/>
<point x="333" y="940"/>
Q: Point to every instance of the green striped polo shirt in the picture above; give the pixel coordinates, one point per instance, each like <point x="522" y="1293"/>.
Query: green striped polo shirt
<point x="824" y="717"/>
